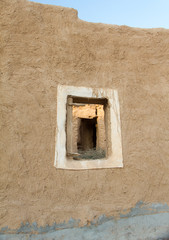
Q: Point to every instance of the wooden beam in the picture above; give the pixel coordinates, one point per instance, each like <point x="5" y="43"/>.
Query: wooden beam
<point x="69" y="127"/>
<point x="76" y="104"/>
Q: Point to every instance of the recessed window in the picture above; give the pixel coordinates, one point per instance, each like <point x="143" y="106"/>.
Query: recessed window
<point x="88" y="130"/>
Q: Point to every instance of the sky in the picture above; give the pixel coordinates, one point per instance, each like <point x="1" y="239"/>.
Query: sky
<point x="134" y="13"/>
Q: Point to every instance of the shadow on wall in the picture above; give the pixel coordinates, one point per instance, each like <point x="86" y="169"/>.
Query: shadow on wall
<point x="167" y="238"/>
<point x="144" y="222"/>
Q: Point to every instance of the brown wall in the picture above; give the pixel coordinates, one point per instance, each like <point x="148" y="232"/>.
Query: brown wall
<point x="43" y="46"/>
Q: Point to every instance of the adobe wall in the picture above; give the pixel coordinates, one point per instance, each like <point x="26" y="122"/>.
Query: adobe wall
<point x="43" y="46"/>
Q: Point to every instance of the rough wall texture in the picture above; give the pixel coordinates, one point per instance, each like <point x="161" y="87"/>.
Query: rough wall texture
<point x="42" y="46"/>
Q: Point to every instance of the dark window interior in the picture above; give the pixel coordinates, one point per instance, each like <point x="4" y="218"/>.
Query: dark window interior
<point x="87" y="134"/>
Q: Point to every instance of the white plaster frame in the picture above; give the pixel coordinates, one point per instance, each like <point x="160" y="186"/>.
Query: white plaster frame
<point x="115" y="160"/>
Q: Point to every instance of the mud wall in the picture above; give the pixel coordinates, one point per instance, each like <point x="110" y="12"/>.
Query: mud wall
<point x="43" y="46"/>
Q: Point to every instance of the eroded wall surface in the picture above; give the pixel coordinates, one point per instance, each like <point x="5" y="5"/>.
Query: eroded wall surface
<point x="43" y="46"/>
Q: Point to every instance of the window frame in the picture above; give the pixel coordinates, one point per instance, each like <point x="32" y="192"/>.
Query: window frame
<point x="79" y="101"/>
<point x="113" y="157"/>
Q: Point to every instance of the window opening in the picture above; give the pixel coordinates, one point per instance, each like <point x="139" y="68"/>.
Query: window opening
<point x="70" y="99"/>
<point x="86" y="130"/>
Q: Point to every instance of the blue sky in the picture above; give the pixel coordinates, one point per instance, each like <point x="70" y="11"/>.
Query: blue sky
<point x="134" y="13"/>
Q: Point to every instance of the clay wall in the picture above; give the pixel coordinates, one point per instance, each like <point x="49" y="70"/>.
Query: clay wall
<point x="42" y="46"/>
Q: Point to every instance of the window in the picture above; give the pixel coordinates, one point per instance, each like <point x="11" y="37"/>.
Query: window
<point x="85" y="125"/>
<point x="88" y="133"/>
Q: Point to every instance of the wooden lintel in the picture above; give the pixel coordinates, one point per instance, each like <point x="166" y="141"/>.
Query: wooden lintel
<point x="76" y="104"/>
